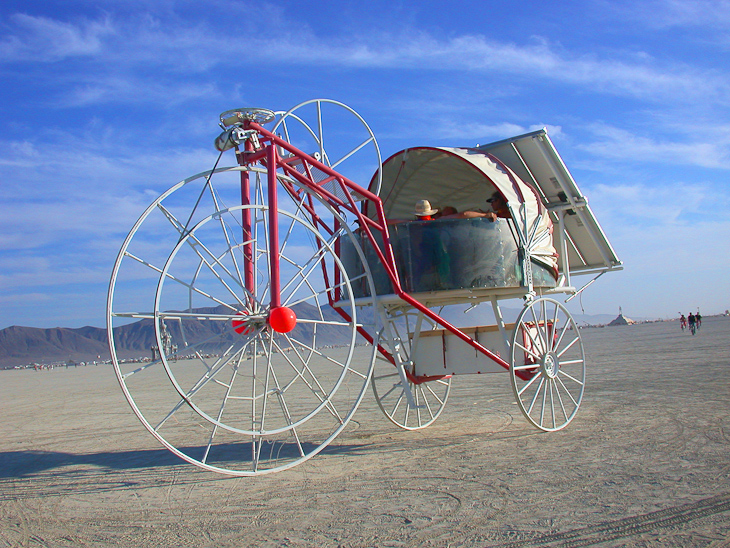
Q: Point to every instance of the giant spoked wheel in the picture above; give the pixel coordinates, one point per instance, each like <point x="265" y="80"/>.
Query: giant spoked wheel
<point x="547" y="364"/>
<point x="232" y="384"/>
<point x="409" y="401"/>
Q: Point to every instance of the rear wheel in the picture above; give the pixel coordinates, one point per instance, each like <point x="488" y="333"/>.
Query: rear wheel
<point x="335" y="135"/>
<point x="408" y="401"/>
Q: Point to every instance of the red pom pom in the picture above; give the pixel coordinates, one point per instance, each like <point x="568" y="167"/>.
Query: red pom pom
<point x="282" y="319"/>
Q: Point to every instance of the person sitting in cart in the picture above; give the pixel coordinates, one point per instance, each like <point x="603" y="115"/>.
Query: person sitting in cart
<point x="499" y="207"/>
<point x="446" y="211"/>
<point x="496" y="201"/>
<point x="424" y="211"/>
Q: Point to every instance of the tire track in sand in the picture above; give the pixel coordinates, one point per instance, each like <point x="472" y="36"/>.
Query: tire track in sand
<point x="630" y="527"/>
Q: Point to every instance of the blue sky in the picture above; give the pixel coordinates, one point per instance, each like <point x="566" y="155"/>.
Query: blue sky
<point x="105" y="104"/>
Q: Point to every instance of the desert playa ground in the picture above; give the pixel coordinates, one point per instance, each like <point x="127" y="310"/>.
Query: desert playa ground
<point x="645" y="463"/>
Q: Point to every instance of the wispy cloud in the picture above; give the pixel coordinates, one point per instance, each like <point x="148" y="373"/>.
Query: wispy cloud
<point x="641" y="204"/>
<point x="42" y="39"/>
<point x="615" y="143"/>
<point x="476" y="133"/>
<point x="132" y="47"/>
<point x="677" y="13"/>
<point x="83" y="189"/>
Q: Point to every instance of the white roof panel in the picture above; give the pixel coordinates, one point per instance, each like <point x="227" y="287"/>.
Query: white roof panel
<point x="534" y="159"/>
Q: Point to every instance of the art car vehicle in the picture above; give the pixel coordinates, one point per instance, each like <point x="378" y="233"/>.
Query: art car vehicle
<point x="280" y="288"/>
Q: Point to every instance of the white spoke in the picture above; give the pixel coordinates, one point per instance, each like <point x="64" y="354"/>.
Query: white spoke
<point x="181" y="282"/>
<point x="353" y="151"/>
<point x="536" y="323"/>
<point x="328" y="358"/>
<point x="318" y="391"/>
<point x="560" y="383"/>
<point x="535" y="395"/>
<point x="575" y="340"/>
<point x="576" y="381"/>
<point x="409" y="403"/>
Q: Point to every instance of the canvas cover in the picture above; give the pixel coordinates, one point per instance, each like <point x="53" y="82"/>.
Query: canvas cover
<point x="464" y="178"/>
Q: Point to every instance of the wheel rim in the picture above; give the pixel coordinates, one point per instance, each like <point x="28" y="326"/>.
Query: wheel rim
<point x="429" y="397"/>
<point x="241" y="398"/>
<point x="547" y="364"/>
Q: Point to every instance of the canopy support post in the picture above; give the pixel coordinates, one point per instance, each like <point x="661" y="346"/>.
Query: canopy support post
<point x="563" y="247"/>
<point x="500" y="323"/>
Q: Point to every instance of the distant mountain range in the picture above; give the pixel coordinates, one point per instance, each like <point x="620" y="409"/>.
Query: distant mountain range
<point x="26" y="345"/>
<point x="23" y="345"/>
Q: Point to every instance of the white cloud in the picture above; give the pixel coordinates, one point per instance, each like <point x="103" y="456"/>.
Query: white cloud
<point x="661" y="234"/>
<point x="615" y="143"/>
<point x="134" y="89"/>
<point x="81" y="191"/>
<point x="45" y="39"/>
<point x="678" y="13"/>
<point x="475" y="133"/>
<point x="25" y="298"/>
<point x="667" y="207"/>
<point x="123" y="51"/>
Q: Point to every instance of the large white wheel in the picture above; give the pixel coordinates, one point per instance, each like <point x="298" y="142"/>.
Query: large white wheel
<point x="547" y="364"/>
<point x="337" y="136"/>
<point x="393" y="383"/>
<point x="229" y="388"/>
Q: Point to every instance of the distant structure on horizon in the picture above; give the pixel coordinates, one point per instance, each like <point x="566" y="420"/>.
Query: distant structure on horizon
<point x="621" y="319"/>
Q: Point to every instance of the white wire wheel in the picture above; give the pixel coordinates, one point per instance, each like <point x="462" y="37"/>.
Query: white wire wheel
<point x="225" y="390"/>
<point x="391" y="390"/>
<point x="337" y="136"/>
<point x="547" y="350"/>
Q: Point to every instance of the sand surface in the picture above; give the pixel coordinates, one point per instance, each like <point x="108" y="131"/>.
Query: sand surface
<point x="645" y="463"/>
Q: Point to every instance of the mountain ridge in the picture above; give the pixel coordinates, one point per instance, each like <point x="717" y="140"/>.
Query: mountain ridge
<point x="21" y="345"/>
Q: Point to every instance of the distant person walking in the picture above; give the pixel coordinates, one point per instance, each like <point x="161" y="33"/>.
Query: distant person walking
<point x="691" y="322"/>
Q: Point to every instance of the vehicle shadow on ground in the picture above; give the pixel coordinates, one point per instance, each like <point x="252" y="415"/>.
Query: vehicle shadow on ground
<point x="20" y="464"/>
<point x="26" y="463"/>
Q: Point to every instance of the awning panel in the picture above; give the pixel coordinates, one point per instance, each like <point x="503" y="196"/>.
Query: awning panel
<point x="533" y="158"/>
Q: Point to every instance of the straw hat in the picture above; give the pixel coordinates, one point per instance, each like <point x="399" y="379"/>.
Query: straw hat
<point x="423" y="208"/>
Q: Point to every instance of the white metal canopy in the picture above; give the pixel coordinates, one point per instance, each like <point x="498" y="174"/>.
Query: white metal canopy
<point x="528" y="171"/>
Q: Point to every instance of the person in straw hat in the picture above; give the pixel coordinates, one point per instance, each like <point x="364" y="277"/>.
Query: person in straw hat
<point x="424" y="211"/>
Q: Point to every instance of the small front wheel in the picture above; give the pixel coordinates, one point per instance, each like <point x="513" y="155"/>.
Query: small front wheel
<point x="547" y="364"/>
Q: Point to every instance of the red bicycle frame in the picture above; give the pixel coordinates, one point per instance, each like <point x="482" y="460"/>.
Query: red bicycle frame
<point x="267" y="154"/>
